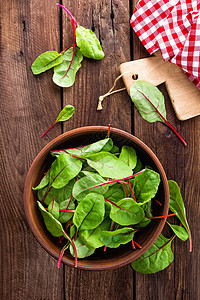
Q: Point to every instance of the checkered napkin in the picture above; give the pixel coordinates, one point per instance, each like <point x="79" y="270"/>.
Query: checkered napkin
<point x="173" y="27"/>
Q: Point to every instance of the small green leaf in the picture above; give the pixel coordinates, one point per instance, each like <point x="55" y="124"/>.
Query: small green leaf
<point x="156" y="258"/>
<point x="114" y="239"/>
<point x="64" y="74"/>
<point x="66" y="113"/>
<point x="66" y="216"/>
<point x="91" y="237"/>
<point x="102" y="145"/>
<point x="81" y="248"/>
<point x="176" y="205"/>
<point x="126" y="212"/>
<point x="88" y="43"/>
<point x="181" y="232"/>
<point x="63" y="169"/>
<point x="43" y="182"/>
<point x="60" y="194"/>
<point x="52" y="225"/>
<point x="128" y="156"/>
<point x="115" y="193"/>
<point x="89" y="212"/>
<point x="53" y="208"/>
<point x="87" y="184"/>
<point x="108" y="165"/>
<point x="146" y="185"/>
<point x="46" y="61"/>
<point x="138" y="91"/>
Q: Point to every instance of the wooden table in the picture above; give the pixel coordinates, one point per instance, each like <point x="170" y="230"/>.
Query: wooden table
<point x="30" y="104"/>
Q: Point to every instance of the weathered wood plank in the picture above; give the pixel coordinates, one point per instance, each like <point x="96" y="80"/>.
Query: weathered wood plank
<point x="27" y="109"/>
<point x="110" y="21"/>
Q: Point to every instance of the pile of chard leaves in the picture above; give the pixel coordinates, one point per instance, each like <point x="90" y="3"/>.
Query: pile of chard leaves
<point x="68" y="62"/>
<point x="98" y="196"/>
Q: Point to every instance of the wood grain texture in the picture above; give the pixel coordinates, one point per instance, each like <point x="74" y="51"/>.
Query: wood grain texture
<point x="180" y="279"/>
<point x="27" y="106"/>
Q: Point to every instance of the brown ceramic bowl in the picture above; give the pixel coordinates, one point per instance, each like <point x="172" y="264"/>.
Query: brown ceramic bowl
<point x="100" y="260"/>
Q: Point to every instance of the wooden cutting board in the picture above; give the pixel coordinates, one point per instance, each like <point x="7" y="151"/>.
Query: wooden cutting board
<point x="184" y="95"/>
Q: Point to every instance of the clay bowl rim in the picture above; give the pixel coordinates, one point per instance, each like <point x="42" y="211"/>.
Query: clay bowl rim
<point x="42" y="155"/>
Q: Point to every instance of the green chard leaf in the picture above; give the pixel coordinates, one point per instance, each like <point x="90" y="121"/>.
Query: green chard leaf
<point x="46" y="61"/>
<point x="81" y="248"/>
<point x="88" y="43"/>
<point x="137" y="92"/>
<point x="43" y="182"/>
<point x="65" y="114"/>
<point x="59" y="194"/>
<point x="128" y="156"/>
<point x="115" y="193"/>
<point x="52" y="225"/>
<point x="66" y="216"/>
<point x="91" y="237"/>
<point x="180" y="232"/>
<point x="87" y="184"/>
<point x="146" y="185"/>
<point x="114" y="239"/>
<point x="63" y="169"/>
<point x="84" y="151"/>
<point x="176" y="205"/>
<point x="156" y="258"/>
<point x="53" y="208"/>
<point x="126" y="212"/>
<point x="108" y="165"/>
<point x="89" y="212"/>
<point x="64" y="74"/>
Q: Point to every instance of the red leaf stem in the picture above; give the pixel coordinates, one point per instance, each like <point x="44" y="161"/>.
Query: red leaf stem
<point x="74" y="45"/>
<point x="160" y="217"/>
<point x="131" y="190"/>
<point x="138" y="244"/>
<point x="67" y="210"/>
<point x="165" y="120"/>
<point x="72" y="18"/>
<point x="75" y="251"/>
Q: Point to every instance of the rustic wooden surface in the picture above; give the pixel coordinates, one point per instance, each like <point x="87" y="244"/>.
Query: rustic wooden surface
<point x="29" y="105"/>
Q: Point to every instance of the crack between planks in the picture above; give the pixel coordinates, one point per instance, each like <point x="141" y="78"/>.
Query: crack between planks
<point x="132" y="58"/>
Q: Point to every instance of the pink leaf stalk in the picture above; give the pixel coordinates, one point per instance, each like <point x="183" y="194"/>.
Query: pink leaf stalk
<point x="68" y="13"/>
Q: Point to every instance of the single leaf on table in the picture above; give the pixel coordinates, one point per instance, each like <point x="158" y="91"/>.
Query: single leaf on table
<point x="60" y="194"/>
<point x="84" y="151"/>
<point x="43" y="182"/>
<point x="180" y="231"/>
<point x="53" y="208"/>
<point x="158" y="257"/>
<point x="114" y="239"/>
<point x="81" y="248"/>
<point x="91" y="237"/>
<point x="176" y="205"/>
<point x="52" y="225"/>
<point x="87" y="184"/>
<point x="137" y="92"/>
<point x="65" y="114"/>
<point x="88" y="43"/>
<point x="128" y="156"/>
<point x="108" y="165"/>
<point x="150" y="103"/>
<point x="65" y="216"/>
<point x="146" y="185"/>
<point x="63" y="169"/>
<point x="46" y="61"/>
<point x="64" y="73"/>
<point x="89" y="212"/>
<point x="126" y="212"/>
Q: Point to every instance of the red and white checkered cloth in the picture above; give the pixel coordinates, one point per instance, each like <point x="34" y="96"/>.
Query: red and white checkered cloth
<point x="173" y="26"/>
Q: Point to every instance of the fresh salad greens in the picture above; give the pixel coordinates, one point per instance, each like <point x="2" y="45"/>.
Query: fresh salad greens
<point x="99" y="196"/>
<point x="68" y="62"/>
